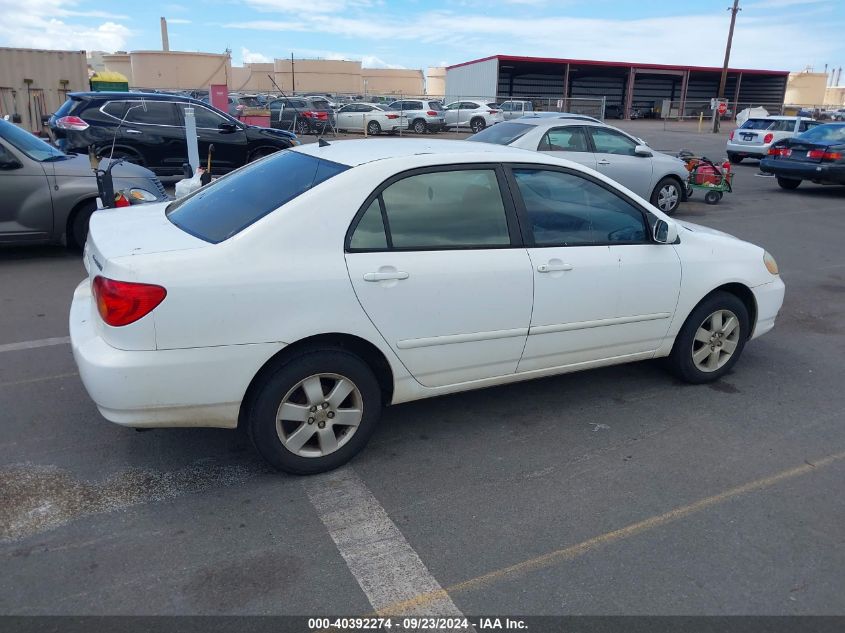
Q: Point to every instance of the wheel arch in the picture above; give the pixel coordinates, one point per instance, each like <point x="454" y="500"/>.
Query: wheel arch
<point x="74" y="211"/>
<point x="741" y="292"/>
<point x="358" y="346"/>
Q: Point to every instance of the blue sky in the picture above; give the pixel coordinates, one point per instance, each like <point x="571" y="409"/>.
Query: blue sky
<point x="776" y="34"/>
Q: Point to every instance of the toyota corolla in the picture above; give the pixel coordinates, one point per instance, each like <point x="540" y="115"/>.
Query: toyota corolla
<point x="300" y="294"/>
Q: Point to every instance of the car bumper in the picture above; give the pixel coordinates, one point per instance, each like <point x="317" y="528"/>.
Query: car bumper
<point x="769" y="298"/>
<point x="747" y="151"/>
<point x="198" y="387"/>
<point x="798" y="170"/>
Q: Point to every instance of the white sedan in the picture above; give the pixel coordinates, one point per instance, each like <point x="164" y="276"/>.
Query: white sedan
<point x="298" y="295"/>
<point x="374" y="118"/>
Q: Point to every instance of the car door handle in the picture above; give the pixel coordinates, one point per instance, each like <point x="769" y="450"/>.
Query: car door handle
<point x="553" y="268"/>
<point x="604" y="161"/>
<point x="133" y="132"/>
<point x="386" y="276"/>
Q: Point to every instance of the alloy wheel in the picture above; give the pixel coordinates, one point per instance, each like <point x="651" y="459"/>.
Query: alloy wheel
<point x="668" y="198"/>
<point x="715" y="341"/>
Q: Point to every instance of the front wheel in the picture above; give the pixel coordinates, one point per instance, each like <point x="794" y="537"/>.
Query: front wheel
<point x="667" y="195"/>
<point x="788" y="183"/>
<point x="77" y="230"/>
<point x="711" y="339"/>
<point x="315" y="412"/>
<point x="477" y="124"/>
<point x="373" y="128"/>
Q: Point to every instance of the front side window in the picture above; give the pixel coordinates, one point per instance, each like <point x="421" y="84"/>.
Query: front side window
<point x="434" y="210"/>
<point x="612" y="142"/>
<point x="229" y="205"/>
<point x="564" y="139"/>
<point x="568" y="210"/>
<point x="207" y="119"/>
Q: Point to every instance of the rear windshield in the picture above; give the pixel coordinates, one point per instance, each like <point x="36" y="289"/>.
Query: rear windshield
<point x="435" y="105"/>
<point x="825" y="134"/>
<point x="501" y="133"/>
<point x="229" y="205"/>
<point x="757" y="124"/>
<point x="66" y="107"/>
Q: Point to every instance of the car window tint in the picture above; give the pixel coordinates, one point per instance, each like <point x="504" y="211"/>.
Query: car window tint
<point x="207" y="119"/>
<point x="612" y="142"/>
<point x="564" y="139"/>
<point x="152" y="113"/>
<point x="115" y="108"/>
<point x="461" y="208"/>
<point x="230" y="204"/>
<point x="757" y="124"/>
<point x="369" y="234"/>
<point x="502" y="133"/>
<point x="435" y="105"/>
<point x="783" y="126"/>
<point x="566" y="210"/>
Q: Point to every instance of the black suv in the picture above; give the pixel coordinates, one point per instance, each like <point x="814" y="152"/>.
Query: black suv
<point x="305" y="115"/>
<point x="149" y="130"/>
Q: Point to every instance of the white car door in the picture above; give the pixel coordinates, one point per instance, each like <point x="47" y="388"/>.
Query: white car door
<point x="617" y="159"/>
<point x="580" y="236"/>
<point x="351" y="117"/>
<point x="431" y="261"/>
<point x="450" y="113"/>
<point x="569" y="142"/>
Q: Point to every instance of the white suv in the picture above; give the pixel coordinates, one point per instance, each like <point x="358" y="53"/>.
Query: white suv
<point x="476" y="115"/>
<point x="754" y="137"/>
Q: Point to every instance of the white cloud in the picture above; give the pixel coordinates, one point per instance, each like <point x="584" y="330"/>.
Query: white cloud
<point x="250" y="57"/>
<point x="371" y="61"/>
<point x="178" y="21"/>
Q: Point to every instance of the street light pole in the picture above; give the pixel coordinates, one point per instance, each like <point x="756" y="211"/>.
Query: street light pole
<point x="724" y="80"/>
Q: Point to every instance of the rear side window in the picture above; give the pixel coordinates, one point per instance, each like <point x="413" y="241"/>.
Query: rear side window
<point x="435" y="210"/>
<point x="564" y="139"/>
<point x="229" y="205"/>
<point x="152" y="113"/>
<point x="435" y="105"/>
<point x="501" y="133"/>
<point x="66" y="108"/>
<point x="757" y="124"/>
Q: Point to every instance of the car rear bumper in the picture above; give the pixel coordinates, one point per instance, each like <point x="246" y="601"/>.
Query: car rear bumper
<point x="747" y="151"/>
<point x="197" y="387"/>
<point x="799" y="170"/>
<point x="769" y="298"/>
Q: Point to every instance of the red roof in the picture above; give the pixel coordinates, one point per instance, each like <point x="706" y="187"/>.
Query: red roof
<point x="592" y="62"/>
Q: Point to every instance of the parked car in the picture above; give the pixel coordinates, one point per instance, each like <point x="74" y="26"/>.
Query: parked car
<point x="48" y="196"/>
<point x="423" y="115"/>
<point x="657" y="177"/>
<point x="754" y="137"/>
<point x="441" y="266"/>
<point x="149" y="130"/>
<point x="515" y="108"/>
<point x="373" y="117"/>
<point x="234" y="105"/>
<point x="560" y="115"/>
<point x="614" y="111"/>
<point x="305" y="115"/>
<point x="476" y="115"/>
<point x="838" y="115"/>
<point x="817" y="155"/>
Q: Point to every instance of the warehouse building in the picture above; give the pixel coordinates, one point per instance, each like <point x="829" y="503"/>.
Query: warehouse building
<point x="625" y="88"/>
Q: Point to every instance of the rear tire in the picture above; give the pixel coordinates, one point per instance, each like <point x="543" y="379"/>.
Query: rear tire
<point x="302" y="127"/>
<point x="292" y="428"/>
<point x="667" y="195"/>
<point x="788" y="183"/>
<point x="712" y="197"/>
<point x="420" y="126"/>
<point x="77" y="230"/>
<point x="477" y="124"/>
<point x="735" y="159"/>
<point x="700" y="356"/>
<point x="373" y="128"/>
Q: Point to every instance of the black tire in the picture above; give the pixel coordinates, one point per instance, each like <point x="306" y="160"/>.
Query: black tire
<point x="788" y="183"/>
<point x="77" y="229"/>
<point x="302" y="127"/>
<point x="261" y="152"/>
<point x="373" y="128"/>
<point x="665" y="185"/>
<point x="690" y="191"/>
<point x="477" y="124"/>
<point x="276" y="385"/>
<point x="712" y="197"/>
<point x="680" y="361"/>
<point x="735" y="159"/>
<point x="420" y="126"/>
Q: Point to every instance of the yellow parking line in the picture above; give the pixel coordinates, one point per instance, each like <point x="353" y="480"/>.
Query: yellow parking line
<point x="41" y="379"/>
<point x="574" y="551"/>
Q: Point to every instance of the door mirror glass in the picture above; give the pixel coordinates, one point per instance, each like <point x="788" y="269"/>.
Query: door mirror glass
<point x="643" y="151"/>
<point x="227" y="127"/>
<point x="665" y="232"/>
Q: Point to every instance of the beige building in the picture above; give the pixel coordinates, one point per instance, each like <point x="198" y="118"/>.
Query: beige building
<point x="178" y="70"/>
<point x="805" y="88"/>
<point x="253" y="77"/>
<point x="835" y="96"/>
<point x="120" y="62"/>
<point x="34" y="83"/>
<point x="435" y="82"/>
<point x="392" y="81"/>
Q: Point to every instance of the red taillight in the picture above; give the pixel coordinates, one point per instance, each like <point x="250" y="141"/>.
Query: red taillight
<point x="392" y="116"/>
<point x="71" y="123"/>
<point x="780" y="151"/>
<point x="493" y="111"/>
<point x="323" y="116"/>
<point x="124" y="302"/>
<point x="431" y="113"/>
<point x="307" y="114"/>
<point x="768" y="138"/>
<point x="832" y="156"/>
<point x="731" y="137"/>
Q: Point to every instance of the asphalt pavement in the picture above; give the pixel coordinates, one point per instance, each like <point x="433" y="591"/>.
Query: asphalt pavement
<point x="613" y="491"/>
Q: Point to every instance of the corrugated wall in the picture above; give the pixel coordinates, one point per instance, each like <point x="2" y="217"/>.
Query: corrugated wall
<point x="478" y="80"/>
<point x="53" y="75"/>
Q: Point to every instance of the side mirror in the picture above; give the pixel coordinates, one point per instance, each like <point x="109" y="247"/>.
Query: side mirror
<point x="643" y="151"/>
<point x="227" y="127"/>
<point x="665" y="232"/>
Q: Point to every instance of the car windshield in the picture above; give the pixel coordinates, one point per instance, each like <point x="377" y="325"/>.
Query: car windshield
<point x="30" y="144"/>
<point x="502" y="133"/>
<point x="227" y="206"/>
<point x="757" y="124"/>
<point x="435" y="105"/>
<point x="824" y="134"/>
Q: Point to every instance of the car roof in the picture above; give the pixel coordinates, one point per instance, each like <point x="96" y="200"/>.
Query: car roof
<point x="778" y="117"/>
<point x="360" y="151"/>
<point x="130" y="96"/>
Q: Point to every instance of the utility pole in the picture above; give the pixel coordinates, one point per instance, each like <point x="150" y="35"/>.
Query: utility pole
<point x="724" y="80"/>
<point x="292" y="76"/>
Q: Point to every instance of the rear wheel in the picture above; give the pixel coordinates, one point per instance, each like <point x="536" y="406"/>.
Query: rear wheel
<point x="477" y="124"/>
<point x="302" y="127"/>
<point x="711" y="339"/>
<point x="373" y="128"/>
<point x="735" y="158"/>
<point x="420" y="126"/>
<point x="77" y="230"/>
<point x="788" y="183"/>
<point x="712" y="197"/>
<point x="315" y="412"/>
<point x="667" y="195"/>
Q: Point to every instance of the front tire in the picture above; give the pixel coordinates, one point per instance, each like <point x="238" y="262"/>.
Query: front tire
<point x="711" y="340"/>
<point x="77" y="230"/>
<point x="315" y="412"/>
<point x="788" y="183"/>
<point x="667" y="195"/>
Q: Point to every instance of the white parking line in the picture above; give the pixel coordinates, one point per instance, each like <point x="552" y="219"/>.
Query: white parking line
<point x="44" y="342"/>
<point x="386" y="567"/>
